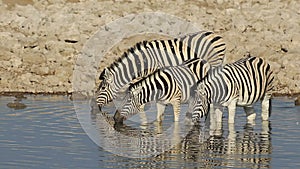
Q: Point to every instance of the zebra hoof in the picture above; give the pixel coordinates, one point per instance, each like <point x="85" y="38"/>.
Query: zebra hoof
<point x="251" y="118"/>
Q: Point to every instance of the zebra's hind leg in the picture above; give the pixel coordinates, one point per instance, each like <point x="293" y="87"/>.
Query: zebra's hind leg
<point x="160" y="111"/>
<point x="251" y="115"/>
<point x="266" y="107"/>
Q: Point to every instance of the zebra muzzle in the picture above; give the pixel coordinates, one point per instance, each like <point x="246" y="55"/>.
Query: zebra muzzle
<point x="118" y="117"/>
<point x="100" y="107"/>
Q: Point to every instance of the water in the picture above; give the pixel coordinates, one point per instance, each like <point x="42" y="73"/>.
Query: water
<point x="47" y="134"/>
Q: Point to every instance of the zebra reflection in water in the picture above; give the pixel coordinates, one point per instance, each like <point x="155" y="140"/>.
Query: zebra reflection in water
<point x="242" y="148"/>
<point x="237" y="149"/>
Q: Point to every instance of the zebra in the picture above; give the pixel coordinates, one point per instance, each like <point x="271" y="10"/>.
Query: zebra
<point x="241" y="83"/>
<point x="169" y="85"/>
<point x="146" y="57"/>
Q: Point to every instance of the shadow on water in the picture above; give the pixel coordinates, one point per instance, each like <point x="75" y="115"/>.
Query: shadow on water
<point x="201" y="146"/>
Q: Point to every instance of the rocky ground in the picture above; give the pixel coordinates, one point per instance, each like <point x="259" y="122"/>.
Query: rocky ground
<point x="41" y="39"/>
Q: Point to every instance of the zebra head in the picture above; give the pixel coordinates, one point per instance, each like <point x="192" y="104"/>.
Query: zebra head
<point x="105" y="92"/>
<point x="199" y="105"/>
<point x="130" y="106"/>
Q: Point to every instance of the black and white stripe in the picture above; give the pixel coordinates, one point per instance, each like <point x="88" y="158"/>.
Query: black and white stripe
<point x="241" y="83"/>
<point x="146" y="57"/>
<point x="169" y="85"/>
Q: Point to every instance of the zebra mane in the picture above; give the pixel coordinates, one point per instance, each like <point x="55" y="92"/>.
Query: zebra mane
<point x="119" y="60"/>
<point x="192" y="61"/>
<point x="102" y="75"/>
<point x="244" y="59"/>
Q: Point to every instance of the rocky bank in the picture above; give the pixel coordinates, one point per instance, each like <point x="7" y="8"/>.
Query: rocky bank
<point x="41" y="39"/>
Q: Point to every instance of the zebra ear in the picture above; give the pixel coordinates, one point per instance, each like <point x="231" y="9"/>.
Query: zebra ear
<point x="205" y="66"/>
<point x="201" y="89"/>
<point x="136" y="90"/>
<point x="106" y="75"/>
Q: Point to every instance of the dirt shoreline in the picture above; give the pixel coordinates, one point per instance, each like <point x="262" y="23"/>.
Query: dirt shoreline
<point x="41" y="40"/>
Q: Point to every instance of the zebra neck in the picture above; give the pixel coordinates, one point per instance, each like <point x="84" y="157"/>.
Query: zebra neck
<point x="133" y="65"/>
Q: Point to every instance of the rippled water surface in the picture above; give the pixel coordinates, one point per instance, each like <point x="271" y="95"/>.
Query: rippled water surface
<point x="47" y="134"/>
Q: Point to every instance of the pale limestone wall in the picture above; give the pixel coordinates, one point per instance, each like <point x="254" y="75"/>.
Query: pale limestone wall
<point x="40" y="40"/>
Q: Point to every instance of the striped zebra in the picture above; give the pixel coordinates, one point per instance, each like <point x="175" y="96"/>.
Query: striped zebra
<point x="241" y="83"/>
<point x="169" y="85"/>
<point x="146" y="57"/>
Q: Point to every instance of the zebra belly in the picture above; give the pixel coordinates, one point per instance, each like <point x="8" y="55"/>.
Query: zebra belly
<point x="239" y="102"/>
<point x="247" y="99"/>
<point x="244" y="103"/>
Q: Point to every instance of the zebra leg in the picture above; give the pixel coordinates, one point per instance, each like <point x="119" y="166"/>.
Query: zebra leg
<point x="231" y="149"/>
<point x="214" y="125"/>
<point x="212" y="120"/>
<point x="159" y="128"/>
<point x="176" y="134"/>
<point x="251" y="115"/>
<point x="176" y="109"/>
<point x="160" y="111"/>
<point x="218" y="114"/>
<point x="143" y="115"/>
<point x="231" y="111"/>
<point x="175" y="101"/>
<point x="266" y="106"/>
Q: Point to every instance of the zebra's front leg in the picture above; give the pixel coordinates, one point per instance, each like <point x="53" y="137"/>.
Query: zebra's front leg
<point x="266" y="107"/>
<point x="251" y="115"/>
<point x="215" y="120"/>
<point x="160" y="111"/>
<point x="175" y="101"/>
<point x="143" y="115"/>
<point x="231" y="139"/>
<point x="218" y="113"/>
<point x="176" y="108"/>
<point x="231" y="111"/>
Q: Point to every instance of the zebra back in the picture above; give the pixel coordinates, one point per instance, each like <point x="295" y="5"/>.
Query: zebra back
<point x="206" y="45"/>
<point x="139" y="59"/>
